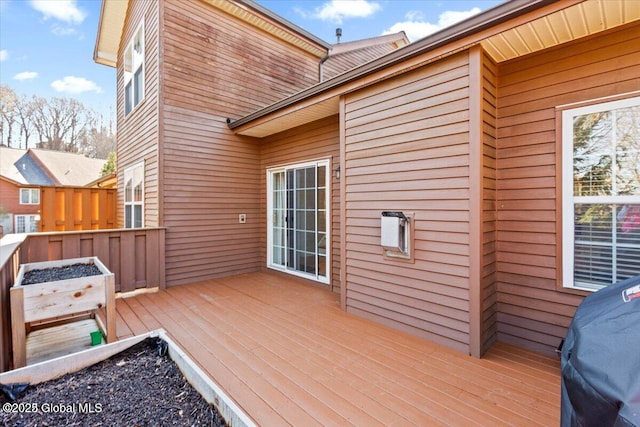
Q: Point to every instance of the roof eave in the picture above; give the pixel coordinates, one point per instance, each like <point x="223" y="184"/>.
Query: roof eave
<point x="110" y="26"/>
<point x="470" y="26"/>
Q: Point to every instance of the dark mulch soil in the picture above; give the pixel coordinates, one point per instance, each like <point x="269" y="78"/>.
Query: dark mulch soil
<point x="66" y="272"/>
<point x="137" y="387"/>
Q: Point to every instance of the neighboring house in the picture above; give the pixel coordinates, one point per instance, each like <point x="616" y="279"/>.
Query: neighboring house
<point x="24" y="172"/>
<point x="487" y="136"/>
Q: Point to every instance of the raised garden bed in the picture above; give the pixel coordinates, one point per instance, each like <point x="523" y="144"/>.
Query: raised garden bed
<point x="126" y="383"/>
<point x="55" y="291"/>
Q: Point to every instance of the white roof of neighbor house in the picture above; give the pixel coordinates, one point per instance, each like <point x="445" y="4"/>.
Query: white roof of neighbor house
<point x="68" y="168"/>
<point x="48" y="167"/>
<point x="8" y="164"/>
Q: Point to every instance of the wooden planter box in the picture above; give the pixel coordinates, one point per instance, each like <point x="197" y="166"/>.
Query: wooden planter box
<point x="50" y="302"/>
<point x="210" y="391"/>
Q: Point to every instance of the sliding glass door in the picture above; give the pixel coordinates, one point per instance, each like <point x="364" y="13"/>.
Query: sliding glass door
<point x="298" y="197"/>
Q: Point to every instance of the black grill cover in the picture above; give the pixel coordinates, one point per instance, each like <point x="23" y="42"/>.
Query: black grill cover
<point x="601" y="359"/>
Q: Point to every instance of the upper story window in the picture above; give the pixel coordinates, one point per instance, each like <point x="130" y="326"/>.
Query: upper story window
<point x="134" y="71"/>
<point x="29" y="196"/>
<point x="134" y="196"/>
<point x="601" y="193"/>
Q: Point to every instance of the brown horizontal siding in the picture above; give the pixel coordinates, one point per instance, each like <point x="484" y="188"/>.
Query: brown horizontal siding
<point x="339" y="63"/>
<point x="316" y="141"/>
<point x="407" y="148"/>
<point x="217" y="63"/>
<point x="209" y="179"/>
<point x="532" y="312"/>
<point x="138" y="131"/>
<point x="217" y="67"/>
<point x="488" y="293"/>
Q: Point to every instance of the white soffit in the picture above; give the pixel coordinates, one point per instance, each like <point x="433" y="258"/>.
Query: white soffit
<point x="246" y="14"/>
<point x="109" y="32"/>
<point x="580" y="20"/>
<point x="298" y="117"/>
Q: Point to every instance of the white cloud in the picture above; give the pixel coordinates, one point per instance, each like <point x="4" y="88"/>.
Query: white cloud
<point x="4" y="54"/>
<point x="63" y="10"/>
<point x="75" y="85"/>
<point x="26" y="75"/>
<point x="64" y="31"/>
<point x="337" y="10"/>
<point x="416" y="27"/>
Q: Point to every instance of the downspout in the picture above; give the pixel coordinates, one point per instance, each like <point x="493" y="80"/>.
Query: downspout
<point x="322" y="61"/>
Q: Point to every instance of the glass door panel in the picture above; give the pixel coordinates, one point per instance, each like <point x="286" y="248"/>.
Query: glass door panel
<point x="298" y="235"/>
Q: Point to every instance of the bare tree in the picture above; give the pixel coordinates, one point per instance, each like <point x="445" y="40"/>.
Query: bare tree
<point x="8" y="101"/>
<point x="24" y="119"/>
<point x="62" y="123"/>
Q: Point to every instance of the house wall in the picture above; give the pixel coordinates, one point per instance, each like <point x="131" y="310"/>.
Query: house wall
<point x="532" y="311"/>
<point x="138" y="132"/>
<point x="407" y="149"/>
<point x="10" y="204"/>
<point x="215" y="67"/>
<point x="488" y="287"/>
<point x="316" y="141"/>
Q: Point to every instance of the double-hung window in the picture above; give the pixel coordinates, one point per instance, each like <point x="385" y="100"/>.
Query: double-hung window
<point x="601" y="193"/>
<point x="134" y="196"/>
<point x="134" y="71"/>
<point x="29" y="196"/>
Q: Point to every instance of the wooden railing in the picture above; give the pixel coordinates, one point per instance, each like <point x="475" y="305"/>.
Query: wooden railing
<point x="77" y="208"/>
<point x="9" y="263"/>
<point x="135" y="256"/>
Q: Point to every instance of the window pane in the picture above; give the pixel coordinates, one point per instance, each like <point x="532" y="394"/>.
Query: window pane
<point x="300" y="178"/>
<point x="322" y="172"/>
<point x="24" y="196"/>
<point x="128" y="188"/>
<point x="128" y="98"/>
<point x="593" y="223"/>
<point x="311" y="177"/>
<point x="137" y="182"/>
<point x="137" y="216"/>
<point x="322" y="266"/>
<point x="593" y="265"/>
<point x="20" y="224"/>
<point x="592" y="154"/>
<point x="127" y="216"/>
<point x="628" y="150"/>
<point x="628" y="242"/>
<point x="35" y="196"/>
<point x="138" y="86"/>
<point x="33" y="223"/>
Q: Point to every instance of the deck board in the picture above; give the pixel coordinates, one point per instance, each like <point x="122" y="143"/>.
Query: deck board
<point x="287" y="354"/>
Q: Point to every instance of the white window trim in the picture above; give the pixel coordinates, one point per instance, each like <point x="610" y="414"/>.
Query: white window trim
<point x="568" y="200"/>
<point x="320" y="279"/>
<point x="130" y="170"/>
<point x="128" y="77"/>
<point x="31" y="191"/>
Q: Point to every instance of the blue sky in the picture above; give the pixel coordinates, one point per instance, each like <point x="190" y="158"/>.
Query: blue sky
<point x="46" y="46"/>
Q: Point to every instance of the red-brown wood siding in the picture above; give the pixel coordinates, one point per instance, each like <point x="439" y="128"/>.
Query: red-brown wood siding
<point x="10" y="204"/>
<point x="407" y="149"/>
<point x="217" y="67"/>
<point x="488" y="292"/>
<point x="138" y="131"/>
<point x="316" y="141"/>
<point x="532" y="312"/>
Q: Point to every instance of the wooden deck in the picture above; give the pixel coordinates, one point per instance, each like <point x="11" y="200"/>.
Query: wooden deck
<point x="286" y="353"/>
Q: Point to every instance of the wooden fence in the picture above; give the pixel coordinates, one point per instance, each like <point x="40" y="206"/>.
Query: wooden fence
<point x="135" y="256"/>
<point x="77" y="208"/>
